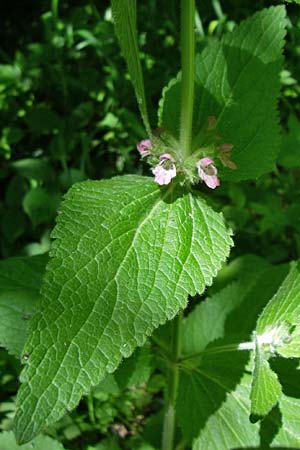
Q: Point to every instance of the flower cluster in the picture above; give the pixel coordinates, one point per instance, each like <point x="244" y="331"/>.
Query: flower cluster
<point x="166" y="166"/>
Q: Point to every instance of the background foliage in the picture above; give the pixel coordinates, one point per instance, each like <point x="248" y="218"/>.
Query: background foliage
<point x="68" y="113"/>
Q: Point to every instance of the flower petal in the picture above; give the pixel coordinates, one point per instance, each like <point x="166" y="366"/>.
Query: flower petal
<point x="204" y="162"/>
<point x="165" y="157"/>
<point x="212" y="181"/>
<point x="162" y="175"/>
<point x="144" y="147"/>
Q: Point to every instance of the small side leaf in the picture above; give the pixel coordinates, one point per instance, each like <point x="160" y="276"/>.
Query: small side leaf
<point x="265" y="389"/>
<point x="124" y="14"/>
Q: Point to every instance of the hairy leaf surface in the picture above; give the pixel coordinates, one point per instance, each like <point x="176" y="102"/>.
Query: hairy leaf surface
<point x="125" y="258"/>
<point x="266" y="388"/>
<point x="280" y="321"/>
<point x="8" y="442"/>
<point x="214" y="394"/>
<point x="277" y="332"/>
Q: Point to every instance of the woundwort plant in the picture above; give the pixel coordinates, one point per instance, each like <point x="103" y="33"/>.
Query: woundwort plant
<point x="130" y="253"/>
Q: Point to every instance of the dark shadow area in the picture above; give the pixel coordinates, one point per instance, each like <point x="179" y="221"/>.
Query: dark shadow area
<point x="265" y="286"/>
<point x="203" y="391"/>
<point x="270" y="426"/>
<point x="289" y="375"/>
<point x="169" y="194"/>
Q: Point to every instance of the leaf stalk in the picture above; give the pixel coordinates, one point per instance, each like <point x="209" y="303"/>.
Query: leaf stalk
<point x="188" y="74"/>
<point x="172" y="387"/>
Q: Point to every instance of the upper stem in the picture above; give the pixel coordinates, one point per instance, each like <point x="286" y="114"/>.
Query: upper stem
<point x="172" y="387"/>
<point x="188" y="74"/>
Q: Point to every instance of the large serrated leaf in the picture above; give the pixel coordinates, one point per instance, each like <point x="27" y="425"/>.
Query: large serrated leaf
<point x="237" y="82"/>
<point x="20" y="281"/>
<point x="124" y="14"/>
<point x="126" y="256"/>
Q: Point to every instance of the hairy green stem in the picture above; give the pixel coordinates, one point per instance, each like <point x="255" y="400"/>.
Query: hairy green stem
<point x="188" y="74"/>
<point x="172" y="387"/>
<point x="186" y="123"/>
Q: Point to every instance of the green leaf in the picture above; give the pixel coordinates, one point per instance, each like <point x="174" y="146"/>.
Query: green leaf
<point x="41" y="205"/>
<point x="277" y="331"/>
<point x="213" y="402"/>
<point x="226" y="318"/>
<point x="266" y="388"/>
<point x="9" y="74"/>
<point x="126" y="256"/>
<point x="289" y="154"/>
<point x="169" y="107"/>
<point x="240" y="80"/>
<point x="252" y="280"/>
<point x="20" y="281"/>
<point x="8" y="442"/>
<point x="37" y="169"/>
<point x="136" y="369"/>
<point x="124" y="14"/>
<point x="278" y="327"/>
<point x="229" y="427"/>
<point x="237" y="82"/>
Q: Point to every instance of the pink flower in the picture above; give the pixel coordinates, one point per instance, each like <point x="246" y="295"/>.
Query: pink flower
<point x="165" y="169"/>
<point x="208" y="172"/>
<point x="144" y="147"/>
